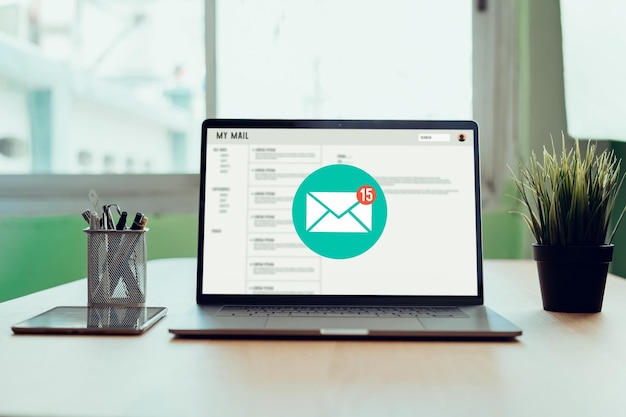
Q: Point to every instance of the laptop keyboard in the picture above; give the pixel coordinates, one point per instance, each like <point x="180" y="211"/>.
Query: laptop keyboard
<point x="332" y="311"/>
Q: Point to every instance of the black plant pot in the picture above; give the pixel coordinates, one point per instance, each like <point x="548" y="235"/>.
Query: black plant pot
<point x="572" y="278"/>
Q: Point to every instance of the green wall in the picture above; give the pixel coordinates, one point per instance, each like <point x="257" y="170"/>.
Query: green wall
<point x="504" y="236"/>
<point x="42" y="252"/>
<point x="618" y="265"/>
<point x="542" y="94"/>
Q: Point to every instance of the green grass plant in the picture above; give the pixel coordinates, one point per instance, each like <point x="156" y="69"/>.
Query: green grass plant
<point x="570" y="197"/>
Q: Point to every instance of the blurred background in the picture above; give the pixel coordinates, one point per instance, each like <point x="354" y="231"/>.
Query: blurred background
<point x="110" y="95"/>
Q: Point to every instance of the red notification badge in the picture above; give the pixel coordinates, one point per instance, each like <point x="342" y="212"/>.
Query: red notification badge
<point x="366" y="194"/>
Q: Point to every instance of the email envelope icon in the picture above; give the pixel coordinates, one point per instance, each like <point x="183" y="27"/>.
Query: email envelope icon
<point x="337" y="212"/>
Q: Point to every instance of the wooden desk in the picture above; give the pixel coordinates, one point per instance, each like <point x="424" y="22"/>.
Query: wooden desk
<point x="563" y="365"/>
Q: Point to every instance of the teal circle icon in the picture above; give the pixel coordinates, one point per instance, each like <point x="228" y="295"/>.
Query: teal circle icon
<point x="339" y="211"/>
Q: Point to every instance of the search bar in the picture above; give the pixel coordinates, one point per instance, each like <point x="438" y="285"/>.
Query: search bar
<point x="433" y="137"/>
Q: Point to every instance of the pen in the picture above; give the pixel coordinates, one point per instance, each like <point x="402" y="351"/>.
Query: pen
<point x="93" y="220"/>
<point x="93" y="197"/>
<point x="121" y="223"/>
<point x="137" y="222"/>
<point x="108" y="217"/>
<point x="87" y="216"/>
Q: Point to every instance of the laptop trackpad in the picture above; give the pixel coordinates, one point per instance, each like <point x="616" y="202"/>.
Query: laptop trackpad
<point x="352" y="323"/>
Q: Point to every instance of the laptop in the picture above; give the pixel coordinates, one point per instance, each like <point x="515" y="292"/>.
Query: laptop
<point x="340" y="229"/>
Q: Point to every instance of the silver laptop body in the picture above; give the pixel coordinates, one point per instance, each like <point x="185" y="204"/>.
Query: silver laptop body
<point x="340" y="229"/>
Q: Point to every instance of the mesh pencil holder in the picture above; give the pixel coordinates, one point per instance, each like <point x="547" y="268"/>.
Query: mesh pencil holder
<point x="116" y="267"/>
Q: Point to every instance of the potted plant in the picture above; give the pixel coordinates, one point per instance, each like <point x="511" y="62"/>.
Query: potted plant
<point x="569" y="199"/>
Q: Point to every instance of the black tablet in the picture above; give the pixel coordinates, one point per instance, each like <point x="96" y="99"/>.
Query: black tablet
<point x="113" y="320"/>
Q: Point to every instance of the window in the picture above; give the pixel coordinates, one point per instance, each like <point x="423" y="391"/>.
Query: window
<point x="100" y="87"/>
<point x="403" y="59"/>
<point x="414" y="59"/>
<point x="121" y="87"/>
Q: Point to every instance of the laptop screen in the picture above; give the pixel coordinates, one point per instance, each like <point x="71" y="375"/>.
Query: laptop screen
<point x="340" y="208"/>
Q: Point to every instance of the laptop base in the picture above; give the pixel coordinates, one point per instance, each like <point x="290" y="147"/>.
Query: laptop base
<point x="479" y="323"/>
